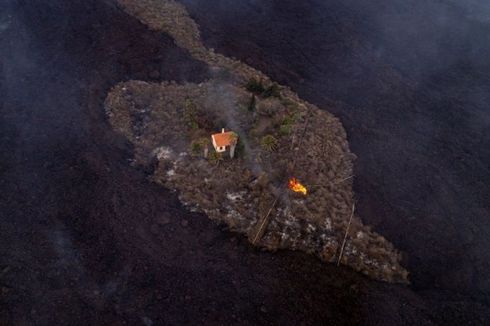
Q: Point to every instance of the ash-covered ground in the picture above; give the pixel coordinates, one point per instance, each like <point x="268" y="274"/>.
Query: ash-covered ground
<point x="86" y="239"/>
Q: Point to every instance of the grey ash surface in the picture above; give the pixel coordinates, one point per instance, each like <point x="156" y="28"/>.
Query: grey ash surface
<point x="86" y="239"/>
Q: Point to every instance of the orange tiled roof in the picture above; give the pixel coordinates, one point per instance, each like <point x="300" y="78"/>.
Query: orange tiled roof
<point x="223" y="138"/>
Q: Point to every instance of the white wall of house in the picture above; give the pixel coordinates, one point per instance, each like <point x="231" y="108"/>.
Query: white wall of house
<point x="218" y="148"/>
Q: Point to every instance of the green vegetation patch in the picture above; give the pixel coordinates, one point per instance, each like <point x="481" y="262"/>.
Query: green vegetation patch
<point x="257" y="87"/>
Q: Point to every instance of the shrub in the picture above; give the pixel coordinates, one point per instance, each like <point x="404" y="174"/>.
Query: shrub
<point x="234" y="137"/>
<point x="255" y="86"/>
<point x="200" y="147"/>
<point x="288" y="103"/>
<point x="286" y="125"/>
<point x="240" y="149"/>
<point x="268" y="143"/>
<point x="285" y="129"/>
<point x="272" y="90"/>
<point x="253" y="133"/>
<point x="269" y="107"/>
<point x="196" y="148"/>
<point x="215" y="157"/>
<point x="289" y="120"/>
<point x="190" y="114"/>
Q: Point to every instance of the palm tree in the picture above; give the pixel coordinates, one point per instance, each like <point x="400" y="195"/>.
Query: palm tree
<point x="268" y="143"/>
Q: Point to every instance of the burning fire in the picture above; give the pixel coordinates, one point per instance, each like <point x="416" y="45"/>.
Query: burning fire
<point x="295" y="186"/>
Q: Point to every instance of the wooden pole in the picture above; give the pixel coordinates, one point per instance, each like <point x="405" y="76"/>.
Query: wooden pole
<point x="345" y="236"/>
<point x="258" y="235"/>
<point x="336" y="183"/>
<point x="344" y="179"/>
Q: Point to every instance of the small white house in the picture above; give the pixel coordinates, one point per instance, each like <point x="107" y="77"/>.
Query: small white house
<point x="224" y="140"/>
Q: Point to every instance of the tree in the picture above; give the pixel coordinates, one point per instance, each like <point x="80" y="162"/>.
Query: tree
<point x="272" y="90"/>
<point x="195" y="148"/>
<point x="268" y="143"/>
<point x="255" y="86"/>
<point x="200" y="146"/>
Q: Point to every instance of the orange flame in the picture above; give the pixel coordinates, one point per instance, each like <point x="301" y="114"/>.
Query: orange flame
<point x="295" y="186"/>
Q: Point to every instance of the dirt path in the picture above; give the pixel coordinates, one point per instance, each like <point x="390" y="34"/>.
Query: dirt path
<point x="85" y="239"/>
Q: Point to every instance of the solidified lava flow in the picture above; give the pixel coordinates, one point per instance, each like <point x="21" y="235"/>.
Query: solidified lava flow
<point x="103" y="222"/>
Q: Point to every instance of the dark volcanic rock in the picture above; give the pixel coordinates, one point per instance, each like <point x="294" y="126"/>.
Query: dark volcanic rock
<point x="75" y="222"/>
<point x="76" y="219"/>
<point x="410" y="82"/>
